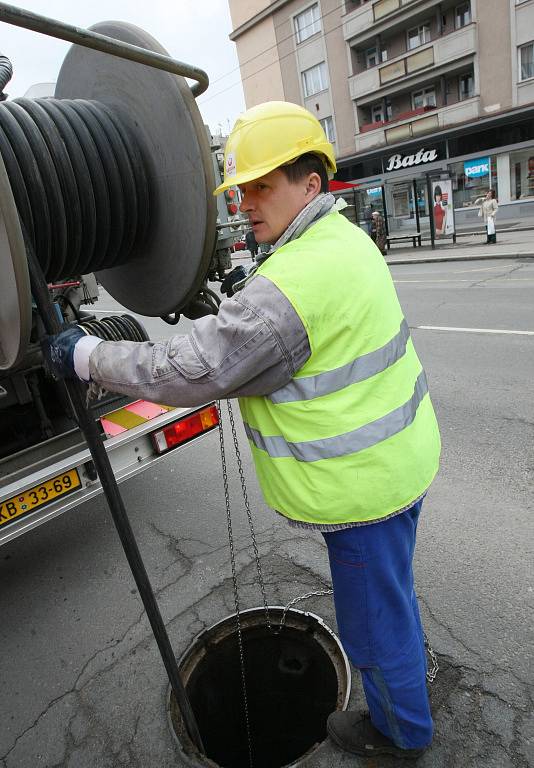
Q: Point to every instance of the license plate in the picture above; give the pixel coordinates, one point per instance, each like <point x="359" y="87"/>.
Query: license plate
<point x="38" y="496"/>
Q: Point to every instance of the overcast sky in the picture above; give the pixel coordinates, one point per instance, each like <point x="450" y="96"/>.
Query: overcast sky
<point x="192" y="31"/>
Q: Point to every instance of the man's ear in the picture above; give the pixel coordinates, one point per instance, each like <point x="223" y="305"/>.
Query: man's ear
<point x="313" y="185"/>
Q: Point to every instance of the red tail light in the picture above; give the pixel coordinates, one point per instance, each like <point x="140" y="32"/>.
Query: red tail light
<point x="183" y="430"/>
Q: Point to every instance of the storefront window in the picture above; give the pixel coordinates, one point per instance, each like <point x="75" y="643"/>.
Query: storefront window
<point x="472" y="179"/>
<point x="367" y="201"/>
<point x="401" y="205"/>
<point x="401" y="197"/>
<point x="522" y="174"/>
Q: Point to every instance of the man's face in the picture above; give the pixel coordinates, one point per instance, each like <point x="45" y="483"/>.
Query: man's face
<point x="272" y="202"/>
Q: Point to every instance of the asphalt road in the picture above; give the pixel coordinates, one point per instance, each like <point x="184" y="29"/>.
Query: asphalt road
<point x="81" y="682"/>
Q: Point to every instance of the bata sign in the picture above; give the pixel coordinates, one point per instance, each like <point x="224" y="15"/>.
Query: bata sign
<point x="423" y="156"/>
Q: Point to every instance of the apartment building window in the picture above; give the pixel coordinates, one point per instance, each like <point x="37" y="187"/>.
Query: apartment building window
<point x="328" y="127"/>
<point x="307" y="23"/>
<point x="463" y="15"/>
<point x="426" y="97"/>
<point x="314" y="79"/>
<point x="377" y="112"/>
<point x="418" y="35"/>
<point x="373" y="57"/>
<point x="526" y="61"/>
<point x="466" y="86"/>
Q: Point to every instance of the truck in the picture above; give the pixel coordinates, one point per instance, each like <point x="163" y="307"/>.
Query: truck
<point x="150" y="123"/>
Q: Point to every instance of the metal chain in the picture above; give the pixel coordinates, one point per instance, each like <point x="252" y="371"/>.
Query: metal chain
<point x="431" y="673"/>
<point x="295" y="600"/>
<point x="249" y="514"/>
<point x="234" y="580"/>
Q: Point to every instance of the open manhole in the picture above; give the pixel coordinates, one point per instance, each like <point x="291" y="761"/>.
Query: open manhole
<point x="296" y="676"/>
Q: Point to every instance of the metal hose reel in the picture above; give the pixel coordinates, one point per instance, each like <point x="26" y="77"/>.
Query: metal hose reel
<point x="112" y="176"/>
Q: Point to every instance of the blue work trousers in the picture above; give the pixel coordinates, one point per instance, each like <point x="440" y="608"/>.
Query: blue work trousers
<point x="379" y="623"/>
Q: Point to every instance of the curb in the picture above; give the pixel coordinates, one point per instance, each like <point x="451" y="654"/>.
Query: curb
<point x="480" y="257"/>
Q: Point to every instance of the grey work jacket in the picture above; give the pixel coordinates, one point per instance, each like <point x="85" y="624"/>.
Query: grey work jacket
<point x="253" y="346"/>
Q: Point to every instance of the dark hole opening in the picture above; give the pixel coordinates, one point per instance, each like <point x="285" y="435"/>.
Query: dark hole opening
<point x="292" y="687"/>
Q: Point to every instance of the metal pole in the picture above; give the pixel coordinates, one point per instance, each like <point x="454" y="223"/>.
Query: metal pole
<point x="416" y="207"/>
<point x="430" y="212"/>
<point x="76" y="393"/>
<point x="89" y="39"/>
<point x="383" y="189"/>
<point x="453" y="214"/>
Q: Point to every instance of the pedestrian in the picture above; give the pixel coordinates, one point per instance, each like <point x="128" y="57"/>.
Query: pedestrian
<point x="378" y="231"/>
<point x="488" y="211"/>
<point x="334" y="401"/>
<point x="252" y="245"/>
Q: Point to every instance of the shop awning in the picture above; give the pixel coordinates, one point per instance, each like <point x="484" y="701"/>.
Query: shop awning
<point x="337" y="186"/>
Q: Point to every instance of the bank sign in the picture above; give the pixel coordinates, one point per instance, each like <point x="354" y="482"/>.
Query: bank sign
<point x="480" y="166"/>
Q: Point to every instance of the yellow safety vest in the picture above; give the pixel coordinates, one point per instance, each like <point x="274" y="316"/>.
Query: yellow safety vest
<point x="353" y="436"/>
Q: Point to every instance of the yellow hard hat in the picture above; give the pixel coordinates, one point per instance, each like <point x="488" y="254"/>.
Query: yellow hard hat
<point x="270" y="135"/>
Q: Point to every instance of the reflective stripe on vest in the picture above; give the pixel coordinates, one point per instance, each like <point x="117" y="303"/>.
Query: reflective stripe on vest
<point x="350" y="442"/>
<point x="308" y="387"/>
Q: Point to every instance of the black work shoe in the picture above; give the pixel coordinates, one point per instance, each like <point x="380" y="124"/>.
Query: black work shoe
<point x="355" y="733"/>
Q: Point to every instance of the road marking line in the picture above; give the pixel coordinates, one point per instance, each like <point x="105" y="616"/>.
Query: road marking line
<point x="469" y="330"/>
<point x="479" y="269"/>
<point x="483" y="269"/>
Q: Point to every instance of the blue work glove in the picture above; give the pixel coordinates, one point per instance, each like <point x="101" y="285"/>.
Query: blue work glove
<point x="235" y="276"/>
<point x="58" y="352"/>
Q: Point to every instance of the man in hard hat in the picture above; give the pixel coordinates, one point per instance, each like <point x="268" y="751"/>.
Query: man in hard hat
<point x="334" y="401"/>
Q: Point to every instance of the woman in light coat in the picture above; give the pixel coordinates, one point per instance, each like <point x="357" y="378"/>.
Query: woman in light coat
<point x="488" y="210"/>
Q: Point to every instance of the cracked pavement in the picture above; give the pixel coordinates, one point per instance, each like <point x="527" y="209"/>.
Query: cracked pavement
<point x="81" y="682"/>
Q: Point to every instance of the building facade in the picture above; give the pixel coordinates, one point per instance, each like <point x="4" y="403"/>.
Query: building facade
<point x="407" y="91"/>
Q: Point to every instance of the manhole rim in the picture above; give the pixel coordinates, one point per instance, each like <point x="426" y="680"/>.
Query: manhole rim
<point x="193" y="758"/>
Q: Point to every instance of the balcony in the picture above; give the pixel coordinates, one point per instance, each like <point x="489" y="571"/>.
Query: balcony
<point x="398" y="118"/>
<point x="362" y="19"/>
<point x="416" y="123"/>
<point x="366" y="85"/>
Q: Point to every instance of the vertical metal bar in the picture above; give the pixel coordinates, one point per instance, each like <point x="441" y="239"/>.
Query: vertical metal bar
<point x="453" y="214"/>
<point x="76" y="394"/>
<point x="430" y="212"/>
<point x="416" y="207"/>
<point x="383" y="189"/>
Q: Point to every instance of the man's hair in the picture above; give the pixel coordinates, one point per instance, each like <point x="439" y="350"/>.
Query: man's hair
<point x="303" y="166"/>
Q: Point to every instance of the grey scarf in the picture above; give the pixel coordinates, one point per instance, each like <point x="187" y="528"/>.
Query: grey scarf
<point x="319" y="207"/>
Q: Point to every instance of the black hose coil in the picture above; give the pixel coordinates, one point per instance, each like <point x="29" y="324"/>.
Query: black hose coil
<point x="116" y="328"/>
<point x="79" y="183"/>
<point x="6" y="72"/>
